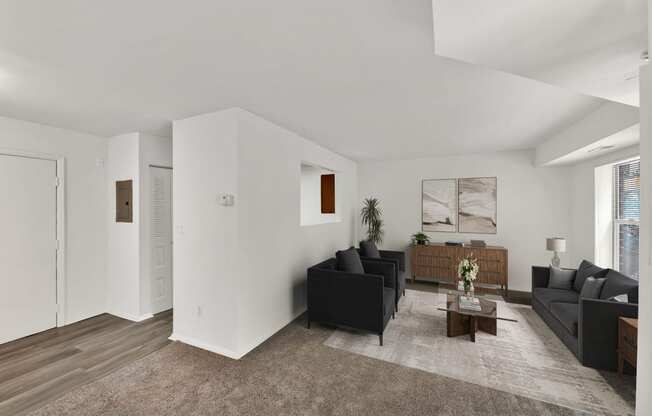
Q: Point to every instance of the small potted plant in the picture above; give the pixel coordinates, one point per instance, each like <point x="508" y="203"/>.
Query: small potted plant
<point x="468" y="270"/>
<point x="420" y="239"/>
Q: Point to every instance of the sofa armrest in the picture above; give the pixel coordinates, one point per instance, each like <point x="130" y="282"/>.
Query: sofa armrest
<point x="598" y="331"/>
<point x="540" y="276"/>
<point x="387" y="269"/>
<point x="394" y="255"/>
<point x="349" y="299"/>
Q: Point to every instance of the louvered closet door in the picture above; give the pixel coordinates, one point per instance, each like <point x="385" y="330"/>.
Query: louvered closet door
<point x="161" y="238"/>
<point x="28" y="298"/>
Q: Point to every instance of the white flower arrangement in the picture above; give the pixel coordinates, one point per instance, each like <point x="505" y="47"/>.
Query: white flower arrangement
<point x="468" y="269"/>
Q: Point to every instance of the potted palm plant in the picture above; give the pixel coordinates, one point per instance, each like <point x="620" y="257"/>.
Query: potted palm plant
<point x="370" y="215"/>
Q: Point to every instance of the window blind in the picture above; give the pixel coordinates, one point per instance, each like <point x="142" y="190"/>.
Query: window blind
<point x="627" y="213"/>
<point x="628" y="191"/>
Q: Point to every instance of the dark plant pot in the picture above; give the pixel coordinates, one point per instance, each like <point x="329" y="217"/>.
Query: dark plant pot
<point x="421" y="243"/>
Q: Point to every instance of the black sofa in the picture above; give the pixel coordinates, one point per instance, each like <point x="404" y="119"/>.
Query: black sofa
<point x="362" y="301"/>
<point x="588" y="327"/>
<point x="369" y="252"/>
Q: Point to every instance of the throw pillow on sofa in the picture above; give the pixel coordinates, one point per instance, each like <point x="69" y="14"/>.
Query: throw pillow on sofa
<point x="349" y="261"/>
<point x="619" y="284"/>
<point x="592" y="288"/>
<point x="561" y="278"/>
<point x="369" y="249"/>
<point x="585" y="270"/>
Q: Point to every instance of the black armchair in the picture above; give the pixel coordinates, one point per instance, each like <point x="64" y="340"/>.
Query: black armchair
<point x="397" y="258"/>
<point x="361" y="301"/>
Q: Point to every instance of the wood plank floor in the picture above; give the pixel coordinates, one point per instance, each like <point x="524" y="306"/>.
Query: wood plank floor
<point x="39" y="368"/>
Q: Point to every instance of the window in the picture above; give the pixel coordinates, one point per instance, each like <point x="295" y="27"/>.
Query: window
<point x="627" y="215"/>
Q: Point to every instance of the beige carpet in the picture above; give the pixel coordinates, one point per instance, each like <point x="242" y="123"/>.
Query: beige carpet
<point x="293" y="373"/>
<point x="526" y="358"/>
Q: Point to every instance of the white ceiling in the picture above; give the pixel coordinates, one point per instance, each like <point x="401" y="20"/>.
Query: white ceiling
<point x="358" y="77"/>
<point x="590" y="46"/>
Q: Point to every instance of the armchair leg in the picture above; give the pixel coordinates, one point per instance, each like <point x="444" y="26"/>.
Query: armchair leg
<point x="381" y="339"/>
<point x="308" y="323"/>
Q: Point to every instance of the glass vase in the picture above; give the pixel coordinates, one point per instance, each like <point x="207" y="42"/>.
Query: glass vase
<point x="468" y="288"/>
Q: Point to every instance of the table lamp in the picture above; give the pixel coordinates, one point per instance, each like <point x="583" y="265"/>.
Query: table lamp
<point x="556" y="245"/>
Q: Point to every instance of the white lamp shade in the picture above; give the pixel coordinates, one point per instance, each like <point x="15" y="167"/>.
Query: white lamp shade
<point x="556" y="244"/>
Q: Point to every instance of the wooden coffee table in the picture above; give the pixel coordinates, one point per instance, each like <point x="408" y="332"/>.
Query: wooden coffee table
<point x="463" y="321"/>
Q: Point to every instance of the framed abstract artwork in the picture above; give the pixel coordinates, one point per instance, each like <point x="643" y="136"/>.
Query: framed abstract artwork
<point x="477" y="204"/>
<point x="439" y="205"/>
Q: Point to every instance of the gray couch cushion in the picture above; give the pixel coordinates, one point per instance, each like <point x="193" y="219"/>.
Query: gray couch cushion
<point x="546" y="296"/>
<point x="618" y="284"/>
<point x="592" y="288"/>
<point x="585" y="270"/>
<point x="369" y="249"/>
<point x="567" y="314"/>
<point x="349" y="261"/>
<point x="561" y="278"/>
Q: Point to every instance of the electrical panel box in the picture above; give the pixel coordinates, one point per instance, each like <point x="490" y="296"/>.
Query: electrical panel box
<point x="124" y="207"/>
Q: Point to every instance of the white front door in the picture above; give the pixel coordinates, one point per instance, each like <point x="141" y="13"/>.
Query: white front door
<point x="161" y="238"/>
<point x="28" y="252"/>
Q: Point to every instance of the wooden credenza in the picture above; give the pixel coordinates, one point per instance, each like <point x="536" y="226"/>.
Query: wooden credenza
<point x="439" y="261"/>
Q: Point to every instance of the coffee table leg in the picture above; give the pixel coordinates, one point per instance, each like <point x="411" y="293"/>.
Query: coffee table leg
<point x="472" y="327"/>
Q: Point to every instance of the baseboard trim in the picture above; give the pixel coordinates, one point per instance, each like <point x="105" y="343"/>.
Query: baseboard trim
<point x="205" y="346"/>
<point x="264" y="338"/>
<point x="225" y="351"/>
<point x="132" y="318"/>
<point x="518" y="296"/>
<point x="145" y="317"/>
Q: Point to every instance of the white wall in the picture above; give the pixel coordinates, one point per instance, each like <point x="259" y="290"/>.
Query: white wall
<point x="157" y="151"/>
<point x="583" y="204"/>
<point x="123" y="250"/>
<point x="274" y="250"/>
<point x="240" y="270"/>
<point x="86" y="233"/>
<point x="532" y="203"/>
<point x="644" y="364"/>
<point x="206" y="269"/>
<point x="129" y="157"/>
<point x="603" y="221"/>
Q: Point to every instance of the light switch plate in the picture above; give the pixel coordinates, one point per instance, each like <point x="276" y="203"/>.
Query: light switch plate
<point x="226" y="200"/>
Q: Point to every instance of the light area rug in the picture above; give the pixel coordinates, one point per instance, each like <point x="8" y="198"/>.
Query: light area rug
<point x="525" y="358"/>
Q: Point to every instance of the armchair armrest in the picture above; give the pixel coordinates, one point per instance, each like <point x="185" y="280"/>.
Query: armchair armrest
<point x="540" y="276"/>
<point x="394" y="255"/>
<point x="382" y="267"/>
<point x="598" y="331"/>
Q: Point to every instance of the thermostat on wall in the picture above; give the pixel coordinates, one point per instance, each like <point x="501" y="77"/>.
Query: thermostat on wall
<point x="226" y="200"/>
